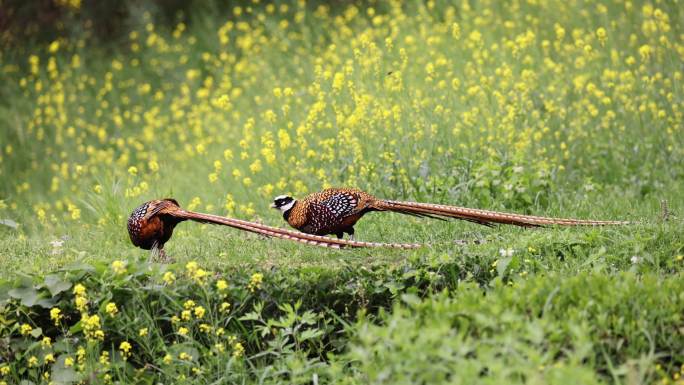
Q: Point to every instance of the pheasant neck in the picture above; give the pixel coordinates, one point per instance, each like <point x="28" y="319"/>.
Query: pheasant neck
<point x="286" y="214"/>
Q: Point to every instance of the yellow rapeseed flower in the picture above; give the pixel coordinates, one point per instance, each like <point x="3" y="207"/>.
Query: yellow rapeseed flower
<point x="238" y="350"/>
<point x="25" y="329"/>
<point x="221" y="285"/>
<point x="255" y="282"/>
<point x="56" y="315"/>
<point x="79" y="289"/>
<point x="125" y="348"/>
<point x="111" y="309"/>
<point x="119" y="267"/>
<point x="169" y="277"/>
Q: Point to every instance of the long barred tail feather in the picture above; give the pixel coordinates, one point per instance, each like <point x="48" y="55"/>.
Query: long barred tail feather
<point x="276" y="232"/>
<point x="485" y="217"/>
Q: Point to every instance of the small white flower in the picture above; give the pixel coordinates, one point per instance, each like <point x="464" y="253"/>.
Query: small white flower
<point x="57" y="243"/>
<point x="506" y="252"/>
<point x="635" y="259"/>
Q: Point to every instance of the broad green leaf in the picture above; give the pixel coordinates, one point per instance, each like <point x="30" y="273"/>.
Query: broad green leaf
<point x="27" y="295"/>
<point x="64" y="375"/>
<point x="56" y="284"/>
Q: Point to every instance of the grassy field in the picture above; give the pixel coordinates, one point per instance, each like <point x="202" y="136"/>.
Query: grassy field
<point x="556" y="108"/>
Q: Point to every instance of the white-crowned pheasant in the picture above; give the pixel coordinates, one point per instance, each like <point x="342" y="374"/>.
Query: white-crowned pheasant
<point x="336" y="211"/>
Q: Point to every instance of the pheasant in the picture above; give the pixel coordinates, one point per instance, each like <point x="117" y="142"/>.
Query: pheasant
<point x="336" y="211"/>
<point x="151" y="225"/>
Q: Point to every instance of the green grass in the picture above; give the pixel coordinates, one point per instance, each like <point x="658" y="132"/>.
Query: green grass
<point x="524" y="108"/>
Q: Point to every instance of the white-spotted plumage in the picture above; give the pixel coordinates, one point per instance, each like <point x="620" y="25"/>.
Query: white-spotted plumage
<point x="336" y="211"/>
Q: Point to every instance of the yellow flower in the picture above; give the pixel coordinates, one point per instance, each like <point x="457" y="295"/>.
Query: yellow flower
<point x="56" y="315"/>
<point x="183" y="331"/>
<point x="205" y="328"/>
<point x="153" y="165"/>
<point x="25" y="329"/>
<point x="255" y="282"/>
<point x="601" y="33"/>
<point x="221" y="285"/>
<point x="189" y="304"/>
<point x="185" y="356"/>
<point x="191" y="266"/>
<point x="81" y="303"/>
<point x="49" y="358"/>
<point x="104" y="358"/>
<point x="68" y="362"/>
<point x="238" y="350"/>
<point x="169" y="277"/>
<point x="125" y="348"/>
<point x="79" y="289"/>
<point x="91" y="326"/>
<point x="338" y="81"/>
<point x="225" y="307"/>
<point x="119" y="267"/>
<point x="54" y="46"/>
<point x="199" y="275"/>
<point x="5" y="370"/>
<point x="142" y="332"/>
<point x="80" y="354"/>
<point x="223" y="101"/>
<point x="167" y="359"/>
<point x="133" y="170"/>
<point x="199" y="311"/>
<point x="111" y="309"/>
<point x="46" y="342"/>
<point x="186" y="315"/>
<point x="33" y="361"/>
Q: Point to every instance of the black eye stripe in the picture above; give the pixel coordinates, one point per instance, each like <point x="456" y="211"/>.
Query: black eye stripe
<point x="283" y="201"/>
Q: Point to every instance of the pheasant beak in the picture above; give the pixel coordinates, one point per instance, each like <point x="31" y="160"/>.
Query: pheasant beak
<point x="273" y="206"/>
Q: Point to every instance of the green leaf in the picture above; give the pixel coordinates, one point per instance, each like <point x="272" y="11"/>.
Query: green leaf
<point x="56" y="284"/>
<point x="309" y="334"/>
<point x="46" y="303"/>
<point x="410" y="299"/>
<point x="37" y="332"/>
<point x="251" y="316"/>
<point x="27" y="295"/>
<point x="64" y="375"/>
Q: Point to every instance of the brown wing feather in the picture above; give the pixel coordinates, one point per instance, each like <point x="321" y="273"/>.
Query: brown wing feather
<point x="329" y="211"/>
